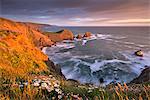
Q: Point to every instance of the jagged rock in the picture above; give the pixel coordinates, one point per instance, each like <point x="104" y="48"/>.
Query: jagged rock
<point x="139" y="53"/>
<point x="87" y="34"/>
<point x="64" y="34"/>
<point x="72" y="82"/>
<point x="79" y="36"/>
<point x="54" y="68"/>
<point x="143" y="77"/>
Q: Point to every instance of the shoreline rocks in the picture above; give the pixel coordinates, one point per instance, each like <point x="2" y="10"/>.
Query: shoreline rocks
<point x="54" y="68"/>
<point x="79" y="36"/>
<point x="143" y="77"/>
<point x="61" y="35"/>
<point x="87" y="34"/>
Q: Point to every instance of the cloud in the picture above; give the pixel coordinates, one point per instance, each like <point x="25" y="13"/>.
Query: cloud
<point x="76" y="12"/>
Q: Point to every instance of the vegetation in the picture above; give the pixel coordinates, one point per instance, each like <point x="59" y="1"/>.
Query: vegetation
<point x="25" y="76"/>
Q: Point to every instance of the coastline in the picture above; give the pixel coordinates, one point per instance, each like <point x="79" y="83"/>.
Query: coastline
<point x="25" y="67"/>
<point x="138" y="78"/>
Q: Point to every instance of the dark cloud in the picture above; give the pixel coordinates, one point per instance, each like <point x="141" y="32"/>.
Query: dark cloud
<point x="63" y="11"/>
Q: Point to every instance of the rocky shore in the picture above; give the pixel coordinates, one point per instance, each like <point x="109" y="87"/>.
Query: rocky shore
<point x="22" y="59"/>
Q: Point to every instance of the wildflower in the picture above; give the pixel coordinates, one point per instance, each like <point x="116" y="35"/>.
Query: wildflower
<point x="49" y="83"/>
<point x="43" y="85"/>
<point x="36" y="84"/>
<point x="59" y="96"/>
<point x="57" y="90"/>
<point x="21" y="85"/>
<point x="89" y="91"/>
<point x="56" y="85"/>
<point x="49" y="89"/>
<point x="25" y="83"/>
<point x="50" y="76"/>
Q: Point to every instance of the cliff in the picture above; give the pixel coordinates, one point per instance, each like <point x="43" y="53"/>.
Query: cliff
<point x="60" y="35"/>
<point x="19" y="50"/>
<point x="35" y="26"/>
<point x="32" y="34"/>
<point x="143" y="77"/>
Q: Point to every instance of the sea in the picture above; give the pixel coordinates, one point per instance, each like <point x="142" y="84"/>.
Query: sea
<point x="108" y="54"/>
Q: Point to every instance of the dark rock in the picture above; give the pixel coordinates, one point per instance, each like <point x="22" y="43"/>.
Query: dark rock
<point x="139" y="53"/>
<point x="143" y="77"/>
<point x="79" y="36"/>
<point x="87" y="34"/>
<point x="54" y="68"/>
<point x="72" y="82"/>
<point x="101" y="80"/>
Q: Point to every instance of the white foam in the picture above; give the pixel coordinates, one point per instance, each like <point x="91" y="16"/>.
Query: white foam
<point x="129" y="43"/>
<point x="103" y="36"/>
<point x="119" y="37"/>
<point x="138" y="63"/>
<point x="84" y="42"/>
<point x="140" y="45"/>
<point x="65" y="45"/>
<point x="97" y="65"/>
<point x="44" y="50"/>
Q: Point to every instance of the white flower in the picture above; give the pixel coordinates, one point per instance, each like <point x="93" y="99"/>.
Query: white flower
<point x="26" y="83"/>
<point x="21" y="85"/>
<point x="50" y="76"/>
<point x="56" y="85"/>
<point x="59" y="96"/>
<point x="43" y="85"/>
<point x="57" y="90"/>
<point x="89" y="91"/>
<point x="36" y="84"/>
<point x="39" y="80"/>
<point x="49" y="83"/>
<point x="49" y="89"/>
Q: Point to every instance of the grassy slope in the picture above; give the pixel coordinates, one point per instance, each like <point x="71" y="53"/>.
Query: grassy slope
<point x="19" y="50"/>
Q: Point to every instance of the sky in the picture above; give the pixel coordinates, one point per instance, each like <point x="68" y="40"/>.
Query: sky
<point x="78" y="12"/>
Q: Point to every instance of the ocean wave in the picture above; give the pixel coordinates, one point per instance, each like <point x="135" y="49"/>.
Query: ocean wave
<point x="65" y="45"/>
<point x="103" y="36"/>
<point x="138" y="63"/>
<point x="97" y="65"/>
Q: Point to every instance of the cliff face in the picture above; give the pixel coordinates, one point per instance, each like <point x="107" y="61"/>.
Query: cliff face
<point x="35" y="26"/>
<point x="143" y="77"/>
<point x="59" y="36"/>
<point x="19" y="50"/>
<point x="36" y="37"/>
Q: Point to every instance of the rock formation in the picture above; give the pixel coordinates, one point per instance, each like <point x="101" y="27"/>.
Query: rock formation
<point x="79" y="36"/>
<point x="87" y="34"/>
<point x="36" y="37"/>
<point x="35" y="26"/>
<point x="60" y="35"/>
<point x="19" y="50"/>
<point x="143" y="77"/>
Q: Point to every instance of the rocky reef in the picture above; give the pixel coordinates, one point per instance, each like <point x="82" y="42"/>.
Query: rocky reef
<point x="143" y="77"/>
<point x="64" y="34"/>
<point x="87" y="34"/>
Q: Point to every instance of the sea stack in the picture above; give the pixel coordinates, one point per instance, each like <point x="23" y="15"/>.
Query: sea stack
<point x="79" y="36"/>
<point x="87" y="34"/>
